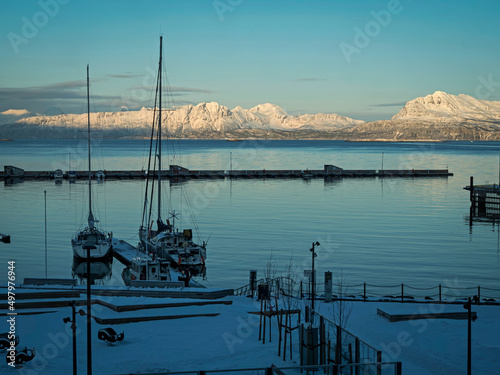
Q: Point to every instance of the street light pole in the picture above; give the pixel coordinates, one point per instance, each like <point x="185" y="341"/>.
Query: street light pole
<point x="313" y="278"/>
<point x="73" y="328"/>
<point x="468" y="307"/>
<point x="89" y="315"/>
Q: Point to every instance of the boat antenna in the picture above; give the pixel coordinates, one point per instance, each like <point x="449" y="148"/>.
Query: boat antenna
<point x="91" y="217"/>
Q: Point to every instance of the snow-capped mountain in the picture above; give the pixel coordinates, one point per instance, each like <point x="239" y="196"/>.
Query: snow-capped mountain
<point x="439" y="116"/>
<point x="441" y="106"/>
<point x="204" y="119"/>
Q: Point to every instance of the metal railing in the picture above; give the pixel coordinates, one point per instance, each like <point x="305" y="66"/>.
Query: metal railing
<point x="364" y="291"/>
<point x="388" y="368"/>
<point x="342" y="347"/>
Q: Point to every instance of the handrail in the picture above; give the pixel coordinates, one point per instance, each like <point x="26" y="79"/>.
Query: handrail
<point x="442" y="293"/>
<point x="328" y="369"/>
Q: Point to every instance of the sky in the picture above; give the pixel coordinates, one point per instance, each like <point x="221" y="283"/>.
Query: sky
<point x="363" y="59"/>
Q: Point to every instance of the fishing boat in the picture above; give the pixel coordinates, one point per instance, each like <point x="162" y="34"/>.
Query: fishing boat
<point x="91" y="240"/>
<point x="148" y="268"/>
<point x="151" y="269"/>
<point x="157" y="236"/>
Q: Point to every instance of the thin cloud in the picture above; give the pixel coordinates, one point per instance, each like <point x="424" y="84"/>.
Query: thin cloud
<point x="125" y="75"/>
<point x="399" y="104"/>
<point x="177" y="91"/>
<point x="190" y="89"/>
<point x="64" y="90"/>
<point x="309" y="79"/>
<point x="63" y="85"/>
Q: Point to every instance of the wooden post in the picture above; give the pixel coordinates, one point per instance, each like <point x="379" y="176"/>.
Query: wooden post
<point x="323" y="344"/>
<point x="310" y="345"/>
<point x="399" y="369"/>
<point x="379" y="360"/>
<point x="264" y="326"/>
<point x="270" y="318"/>
<point x="364" y="291"/>
<point x="439" y="292"/>
<point x="321" y="340"/>
<point x="357" y="354"/>
<point x="471" y="189"/>
<point x="286" y="333"/>
<point x="402" y="292"/>
<point x="472" y="201"/>
<point x="289" y="318"/>
<point x="338" y="349"/>
<point x="301" y="346"/>
<point x="350" y="356"/>
<point x="478" y="294"/>
<point x="260" y="321"/>
<point x="280" y="321"/>
<point x="329" y="351"/>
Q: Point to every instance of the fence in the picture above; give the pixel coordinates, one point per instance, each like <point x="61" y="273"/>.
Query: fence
<point x="348" y="353"/>
<point x="365" y="291"/>
<point x="339" y="346"/>
<point x="390" y="368"/>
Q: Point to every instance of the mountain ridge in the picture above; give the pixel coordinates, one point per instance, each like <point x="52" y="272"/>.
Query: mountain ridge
<point x="438" y="116"/>
<point x="187" y="120"/>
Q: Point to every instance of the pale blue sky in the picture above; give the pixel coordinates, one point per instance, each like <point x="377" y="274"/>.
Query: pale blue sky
<point x="305" y="56"/>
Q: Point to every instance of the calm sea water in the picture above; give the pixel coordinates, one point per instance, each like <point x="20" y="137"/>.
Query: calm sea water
<point x="380" y="231"/>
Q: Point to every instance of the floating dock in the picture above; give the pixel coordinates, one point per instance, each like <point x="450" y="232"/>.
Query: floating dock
<point x="124" y="252"/>
<point x="178" y="172"/>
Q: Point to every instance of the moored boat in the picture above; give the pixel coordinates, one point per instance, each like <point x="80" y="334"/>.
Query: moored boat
<point x="156" y="236"/>
<point x="91" y="241"/>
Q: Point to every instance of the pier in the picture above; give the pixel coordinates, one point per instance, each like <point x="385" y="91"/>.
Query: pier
<point x="485" y="201"/>
<point x="11" y="173"/>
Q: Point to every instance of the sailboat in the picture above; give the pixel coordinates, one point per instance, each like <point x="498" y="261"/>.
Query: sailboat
<point x="163" y="239"/>
<point x="91" y="239"/>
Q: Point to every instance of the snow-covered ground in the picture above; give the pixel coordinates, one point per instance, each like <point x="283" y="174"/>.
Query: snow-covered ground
<point x="230" y="339"/>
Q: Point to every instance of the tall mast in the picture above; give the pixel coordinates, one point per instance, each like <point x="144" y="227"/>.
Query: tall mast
<point x="159" y="130"/>
<point x="91" y="217"/>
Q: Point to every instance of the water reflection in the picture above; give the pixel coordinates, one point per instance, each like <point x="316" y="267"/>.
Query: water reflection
<point x="100" y="271"/>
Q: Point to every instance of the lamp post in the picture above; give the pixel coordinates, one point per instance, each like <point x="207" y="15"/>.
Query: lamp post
<point x="73" y="328"/>
<point x="470" y="319"/>
<point x="89" y="315"/>
<point x="313" y="279"/>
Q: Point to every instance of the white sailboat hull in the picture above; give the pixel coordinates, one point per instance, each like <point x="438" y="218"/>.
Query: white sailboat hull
<point x="99" y="243"/>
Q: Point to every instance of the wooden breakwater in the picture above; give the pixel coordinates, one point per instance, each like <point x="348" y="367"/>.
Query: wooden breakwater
<point x="178" y="172"/>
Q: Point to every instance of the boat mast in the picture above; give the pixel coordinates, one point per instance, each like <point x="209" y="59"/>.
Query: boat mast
<point x="159" y="133"/>
<point x="91" y="217"/>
